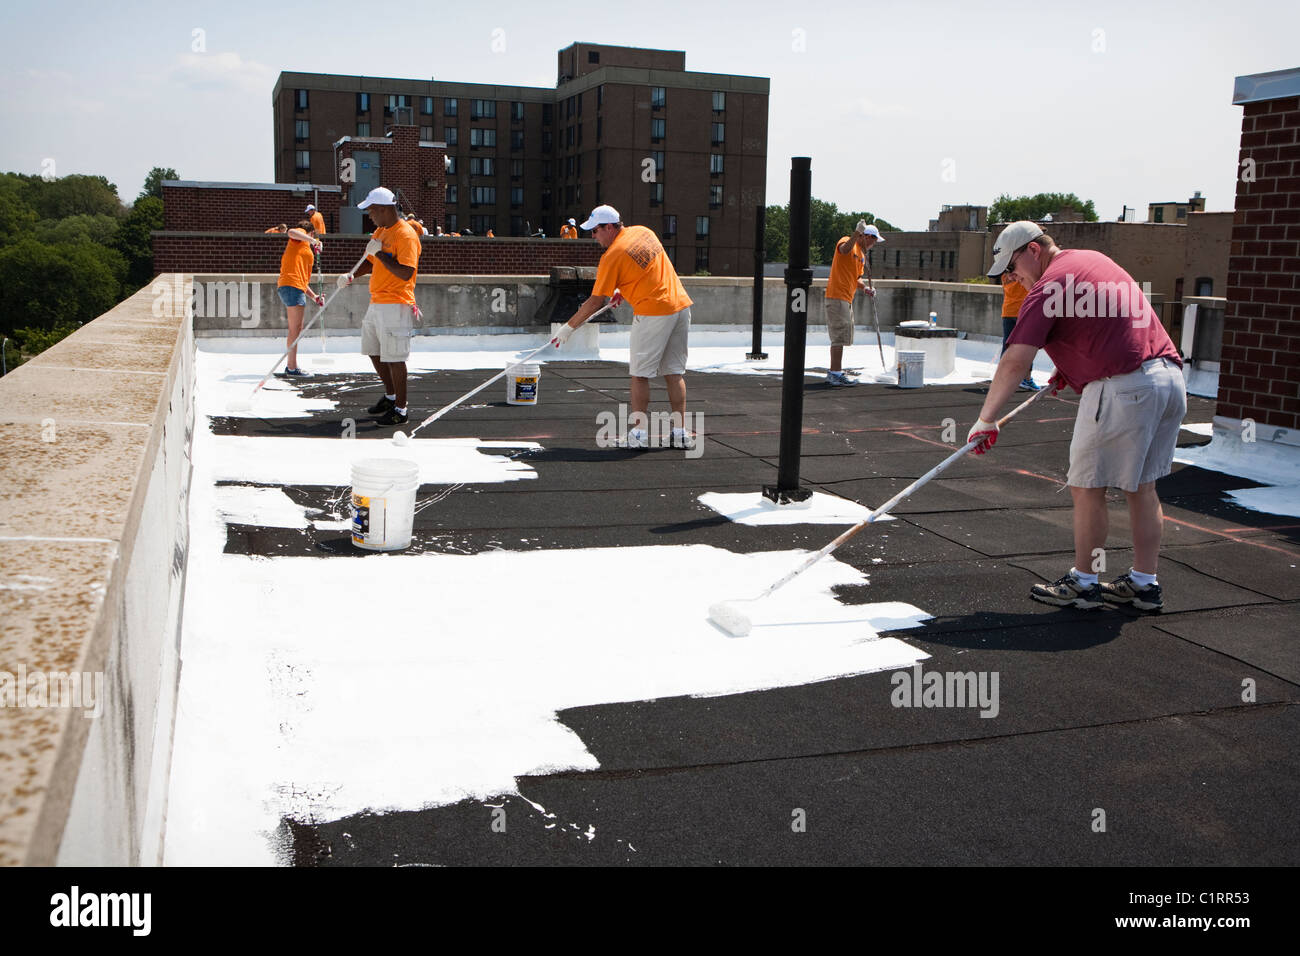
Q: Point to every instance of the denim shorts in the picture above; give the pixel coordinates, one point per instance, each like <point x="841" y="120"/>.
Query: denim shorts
<point x="291" y="296"/>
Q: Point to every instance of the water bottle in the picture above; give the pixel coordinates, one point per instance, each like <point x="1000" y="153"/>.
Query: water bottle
<point x="934" y="320"/>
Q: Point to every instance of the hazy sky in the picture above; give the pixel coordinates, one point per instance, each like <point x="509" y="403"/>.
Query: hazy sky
<point x="902" y="106"/>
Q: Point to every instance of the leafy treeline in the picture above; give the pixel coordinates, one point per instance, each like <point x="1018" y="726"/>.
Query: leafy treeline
<point x="827" y="226"/>
<point x="69" y="251"/>
<point x="1012" y="209"/>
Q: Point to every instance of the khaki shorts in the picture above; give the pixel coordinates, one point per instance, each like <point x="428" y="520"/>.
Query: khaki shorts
<point x="1127" y="427"/>
<point x="839" y="321"/>
<point x="659" y="344"/>
<point x="386" y="331"/>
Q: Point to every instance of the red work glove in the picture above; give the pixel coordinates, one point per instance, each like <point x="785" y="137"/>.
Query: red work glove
<point x="617" y="300"/>
<point x="1056" y="383"/>
<point x="986" y="433"/>
<point x="320" y="299"/>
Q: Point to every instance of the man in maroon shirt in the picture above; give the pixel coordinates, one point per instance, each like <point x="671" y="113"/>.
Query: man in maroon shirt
<point x="1108" y="344"/>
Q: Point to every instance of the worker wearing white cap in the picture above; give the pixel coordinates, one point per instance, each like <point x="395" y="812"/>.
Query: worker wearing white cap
<point x="317" y="220"/>
<point x="635" y="265"/>
<point x="569" y="230"/>
<point x="847" y="266"/>
<point x="393" y="256"/>
<point x="1096" y="324"/>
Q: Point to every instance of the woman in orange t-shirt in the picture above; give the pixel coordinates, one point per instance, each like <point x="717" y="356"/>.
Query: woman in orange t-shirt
<point x="294" y="284"/>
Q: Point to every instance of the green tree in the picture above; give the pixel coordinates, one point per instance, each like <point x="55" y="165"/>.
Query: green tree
<point x="826" y="227"/>
<point x="1012" y="209"/>
<point x="16" y="217"/>
<point x="45" y="286"/>
<point x="99" y="229"/>
<point x="71" y="196"/>
<point x="153" y="182"/>
<point x="134" y="242"/>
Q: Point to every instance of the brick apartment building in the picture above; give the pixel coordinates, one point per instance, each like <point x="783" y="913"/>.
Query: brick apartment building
<point x="684" y="153"/>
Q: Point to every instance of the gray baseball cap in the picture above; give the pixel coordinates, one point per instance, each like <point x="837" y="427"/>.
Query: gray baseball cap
<point x="1009" y="240"/>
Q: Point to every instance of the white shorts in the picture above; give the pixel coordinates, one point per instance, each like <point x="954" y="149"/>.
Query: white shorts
<point x="659" y="344"/>
<point x="1127" y="427"/>
<point x="386" y="331"/>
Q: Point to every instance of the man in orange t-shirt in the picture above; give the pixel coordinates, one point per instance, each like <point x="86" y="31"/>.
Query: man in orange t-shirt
<point x="847" y="266"/>
<point x="635" y="265"/>
<point x="317" y="220"/>
<point x="393" y="258"/>
<point x="569" y="230"/>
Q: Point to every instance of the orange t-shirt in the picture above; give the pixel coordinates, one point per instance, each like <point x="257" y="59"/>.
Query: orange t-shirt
<point x="296" y="264"/>
<point x="318" y="223"/>
<point x="846" y="270"/>
<point x="568" y="232"/>
<point x="1013" y="295"/>
<point x="385" y="288"/>
<point x="635" y="263"/>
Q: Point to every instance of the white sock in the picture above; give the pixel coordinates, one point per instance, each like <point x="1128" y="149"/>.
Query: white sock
<point x="1140" y="579"/>
<point x="400" y="411"/>
<point x="391" y="398"/>
<point x="1087" y="580"/>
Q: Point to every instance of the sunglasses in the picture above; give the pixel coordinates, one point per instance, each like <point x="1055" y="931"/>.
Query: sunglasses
<point x="1011" y="263"/>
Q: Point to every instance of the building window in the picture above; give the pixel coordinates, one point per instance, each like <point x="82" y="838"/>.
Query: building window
<point x="580" y="165"/>
<point x="701" y="258"/>
<point x="449" y="106"/>
<point x="426" y="105"/>
<point x="451" y="135"/>
<point x="568" y="195"/>
<point x="1160" y="214"/>
<point x="300" y="99"/>
<point x="546" y="114"/>
<point x="517" y="139"/>
<point x="547" y="142"/>
<point x="593" y="56"/>
<point x="516" y="225"/>
<point x="482" y="166"/>
<point x="657" y="97"/>
<point x="450" y="164"/>
<point x="657" y="128"/>
<point x="715" y="164"/>
<point x="426" y="134"/>
<point x="517" y="112"/>
<point x="719" y="134"/>
<point x="1182" y="212"/>
<point x="482" y="195"/>
<point x="363" y="129"/>
<point x="546" y="199"/>
<point x="715" y="197"/>
<point x="701" y="227"/>
<point x="300" y="129"/>
<point x="568" y="137"/>
<point x="363" y="102"/>
<point x="600" y="96"/>
<point x="302" y="158"/>
<point x="599" y="160"/>
<point x="451" y="195"/>
<point x="719" y="101"/>
<point x="516" y="169"/>
<point x="481" y="224"/>
<point x="568" y="167"/>
<point x="484" y="109"/>
<point x="568" y="108"/>
<point x="656" y="194"/>
<point x="897" y="255"/>
<point x="599" y="125"/>
<point x="451" y="222"/>
<point x="516" y="195"/>
<point x="398" y="102"/>
<point x="670" y="227"/>
<point x="482" y="137"/>
<point x="546" y="171"/>
<point x="658" y="156"/>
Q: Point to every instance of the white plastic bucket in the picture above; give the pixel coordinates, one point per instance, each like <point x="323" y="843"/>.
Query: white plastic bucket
<point x="522" y="382"/>
<point x="383" y="503"/>
<point x="911" y="369"/>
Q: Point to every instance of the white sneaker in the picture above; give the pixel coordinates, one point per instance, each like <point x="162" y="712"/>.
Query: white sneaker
<point x="681" y="439"/>
<point x="636" y="438"/>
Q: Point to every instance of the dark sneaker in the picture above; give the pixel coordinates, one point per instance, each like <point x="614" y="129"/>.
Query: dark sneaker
<point x="293" y="373"/>
<point x="381" y="406"/>
<point x="1123" y="591"/>
<point x="1068" y="592"/>
<point x="393" y="417"/>
<point x="839" y="378"/>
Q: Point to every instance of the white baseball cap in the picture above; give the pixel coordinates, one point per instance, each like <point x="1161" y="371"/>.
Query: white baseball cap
<point x="602" y="215"/>
<point x="309" y="208"/>
<point x="379" y="196"/>
<point x="572" y="223"/>
<point x="1009" y="240"/>
<point x="863" y="229"/>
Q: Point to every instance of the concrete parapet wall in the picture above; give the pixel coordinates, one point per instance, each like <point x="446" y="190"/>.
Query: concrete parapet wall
<point x="247" y="304"/>
<point x="93" y="541"/>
